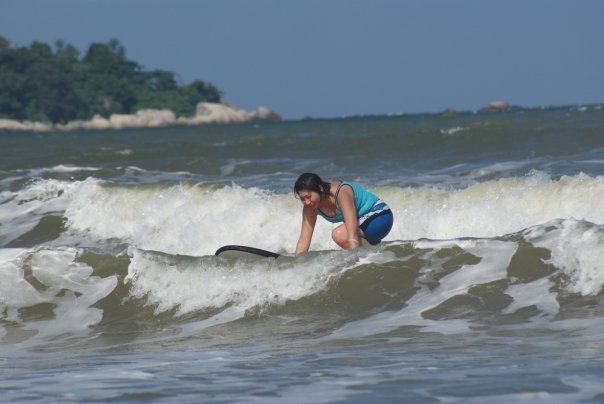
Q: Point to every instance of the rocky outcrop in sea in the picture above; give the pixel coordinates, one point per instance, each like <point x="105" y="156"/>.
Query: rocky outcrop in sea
<point x="206" y="113"/>
<point x="495" y="106"/>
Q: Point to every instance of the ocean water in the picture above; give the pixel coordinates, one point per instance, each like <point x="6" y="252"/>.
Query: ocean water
<point x="489" y="286"/>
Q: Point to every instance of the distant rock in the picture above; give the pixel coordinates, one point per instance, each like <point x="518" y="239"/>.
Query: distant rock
<point x="495" y="106"/>
<point x="144" y="118"/>
<point x="206" y="113"/>
<point x="209" y="112"/>
<point x="265" y="114"/>
<point x="448" y="111"/>
<point x="11" y="125"/>
<point x="97" y="122"/>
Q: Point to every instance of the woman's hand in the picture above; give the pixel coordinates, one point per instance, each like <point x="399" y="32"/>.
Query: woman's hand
<point x="309" y="219"/>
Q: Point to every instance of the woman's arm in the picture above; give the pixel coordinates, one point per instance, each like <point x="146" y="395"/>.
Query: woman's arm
<point x="309" y="218"/>
<point x="351" y="221"/>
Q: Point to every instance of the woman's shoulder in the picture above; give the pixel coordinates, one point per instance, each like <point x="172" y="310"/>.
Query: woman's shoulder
<point x="345" y="188"/>
<point x="347" y="185"/>
<point x="334" y="185"/>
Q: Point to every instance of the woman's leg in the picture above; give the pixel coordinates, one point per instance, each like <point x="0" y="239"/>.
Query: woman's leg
<point x="340" y="236"/>
<point x="377" y="227"/>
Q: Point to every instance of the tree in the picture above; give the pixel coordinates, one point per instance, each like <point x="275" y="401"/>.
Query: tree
<point x="37" y="83"/>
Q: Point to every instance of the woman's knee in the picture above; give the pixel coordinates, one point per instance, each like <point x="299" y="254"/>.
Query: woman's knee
<point x="340" y="236"/>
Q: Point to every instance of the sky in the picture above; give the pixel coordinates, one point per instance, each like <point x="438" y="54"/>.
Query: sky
<point x="333" y="58"/>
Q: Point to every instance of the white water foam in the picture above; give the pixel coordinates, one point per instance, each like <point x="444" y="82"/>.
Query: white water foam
<point x="536" y="293"/>
<point x="67" y="284"/>
<point x="497" y="169"/>
<point x="36" y="172"/>
<point x="211" y="283"/>
<point x="15" y="291"/>
<point x="21" y="211"/>
<point x="232" y="165"/>
<point x="196" y="220"/>
<point x="462" y="176"/>
<point x="63" y="168"/>
<point x="576" y="248"/>
<point x="137" y="175"/>
<point x="492" y="208"/>
<point x="452" y="131"/>
<point x="494" y="257"/>
<point x="188" y="219"/>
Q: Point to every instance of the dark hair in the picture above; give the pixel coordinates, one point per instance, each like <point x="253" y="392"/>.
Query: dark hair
<point x="312" y="182"/>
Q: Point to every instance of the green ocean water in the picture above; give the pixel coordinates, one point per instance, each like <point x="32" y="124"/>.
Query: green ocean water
<point x="487" y="288"/>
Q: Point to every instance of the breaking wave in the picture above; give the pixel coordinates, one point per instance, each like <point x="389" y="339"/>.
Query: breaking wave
<point x="83" y="256"/>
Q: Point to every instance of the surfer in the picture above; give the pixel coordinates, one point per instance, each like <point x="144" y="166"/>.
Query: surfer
<point x="367" y="219"/>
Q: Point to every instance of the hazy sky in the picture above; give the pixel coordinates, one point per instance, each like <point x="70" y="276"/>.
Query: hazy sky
<point x="331" y="58"/>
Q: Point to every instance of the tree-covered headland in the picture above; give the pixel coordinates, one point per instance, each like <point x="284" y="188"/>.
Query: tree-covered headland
<point x="46" y="84"/>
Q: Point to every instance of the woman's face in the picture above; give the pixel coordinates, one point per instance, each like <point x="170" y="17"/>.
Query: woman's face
<point x="309" y="198"/>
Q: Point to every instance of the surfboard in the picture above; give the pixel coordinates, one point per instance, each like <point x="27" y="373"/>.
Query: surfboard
<point x="240" y="251"/>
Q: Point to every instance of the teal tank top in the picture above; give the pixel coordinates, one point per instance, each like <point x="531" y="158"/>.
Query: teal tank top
<point x="363" y="202"/>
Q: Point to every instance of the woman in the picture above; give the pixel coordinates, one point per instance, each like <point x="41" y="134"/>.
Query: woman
<point x="367" y="219"/>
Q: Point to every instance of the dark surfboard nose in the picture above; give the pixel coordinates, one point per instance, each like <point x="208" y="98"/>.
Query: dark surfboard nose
<point x="240" y="251"/>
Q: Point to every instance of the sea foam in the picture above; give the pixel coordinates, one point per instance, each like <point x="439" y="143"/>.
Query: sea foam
<point x="20" y="211"/>
<point x="196" y="220"/>
<point x="492" y="208"/>
<point x="209" y="283"/>
<point x="576" y="248"/>
<point x="61" y="280"/>
<point x="494" y="258"/>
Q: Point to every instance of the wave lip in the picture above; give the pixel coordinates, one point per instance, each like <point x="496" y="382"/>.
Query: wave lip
<point x="197" y="219"/>
<point x="228" y="289"/>
<point x="22" y="210"/>
<point x="576" y="248"/>
<point x="492" y="208"/>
